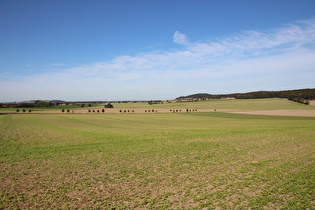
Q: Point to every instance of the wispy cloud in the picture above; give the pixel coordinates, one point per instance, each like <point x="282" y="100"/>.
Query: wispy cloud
<point x="272" y="59"/>
<point x="249" y="43"/>
<point x="180" y="38"/>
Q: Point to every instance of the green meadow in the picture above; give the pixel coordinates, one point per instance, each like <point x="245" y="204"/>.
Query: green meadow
<point x="223" y="104"/>
<point x="205" y="160"/>
<point x="220" y="105"/>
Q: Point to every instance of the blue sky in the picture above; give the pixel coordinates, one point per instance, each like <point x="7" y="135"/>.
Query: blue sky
<point x="148" y="50"/>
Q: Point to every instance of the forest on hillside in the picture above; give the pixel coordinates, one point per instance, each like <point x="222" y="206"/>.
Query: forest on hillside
<point x="301" y="95"/>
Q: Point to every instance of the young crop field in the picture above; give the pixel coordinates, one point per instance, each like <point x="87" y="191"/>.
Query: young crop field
<point x="218" y="104"/>
<point x="209" y="160"/>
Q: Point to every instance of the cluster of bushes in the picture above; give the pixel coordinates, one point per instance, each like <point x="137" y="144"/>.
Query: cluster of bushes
<point x="300" y="100"/>
<point x="109" y="105"/>
<point x="155" y="102"/>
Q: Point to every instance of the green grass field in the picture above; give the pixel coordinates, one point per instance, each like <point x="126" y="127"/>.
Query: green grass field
<point x="222" y="104"/>
<point x="157" y="161"/>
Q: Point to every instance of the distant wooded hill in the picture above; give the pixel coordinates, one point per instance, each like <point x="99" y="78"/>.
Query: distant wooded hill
<point x="301" y="95"/>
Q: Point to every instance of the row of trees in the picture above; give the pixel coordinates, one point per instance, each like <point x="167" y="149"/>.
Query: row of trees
<point x="98" y="111"/>
<point x="39" y="104"/>
<point x="46" y="104"/>
<point x="68" y="110"/>
<point x="126" y="111"/>
<point x="24" y="110"/>
<point x="121" y="111"/>
<point x="191" y="110"/>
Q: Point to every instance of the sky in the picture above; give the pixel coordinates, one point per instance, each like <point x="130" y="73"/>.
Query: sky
<point x="153" y="49"/>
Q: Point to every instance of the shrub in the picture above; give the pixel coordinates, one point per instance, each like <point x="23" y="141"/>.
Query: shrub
<point x="109" y="105"/>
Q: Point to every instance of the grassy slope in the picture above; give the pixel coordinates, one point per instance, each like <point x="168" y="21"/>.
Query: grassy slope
<point x="189" y="160"/>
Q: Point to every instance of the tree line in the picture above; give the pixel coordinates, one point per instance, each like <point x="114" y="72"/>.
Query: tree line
<point x="301" y="95"/>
